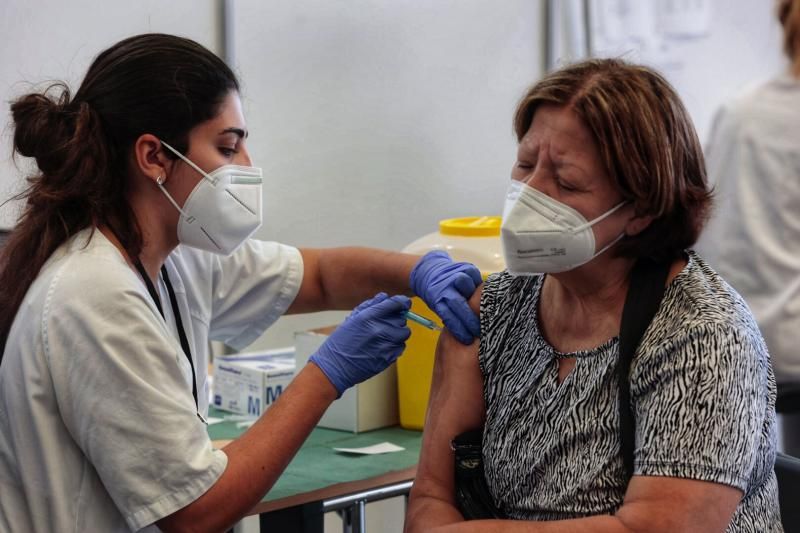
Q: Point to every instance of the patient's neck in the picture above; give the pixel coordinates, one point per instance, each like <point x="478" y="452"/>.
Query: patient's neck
<point x="583" y="307"/>
<point x="600" y="285"/>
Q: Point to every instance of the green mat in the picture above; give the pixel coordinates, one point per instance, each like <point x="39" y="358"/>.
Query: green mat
<point x="317" y="465"/>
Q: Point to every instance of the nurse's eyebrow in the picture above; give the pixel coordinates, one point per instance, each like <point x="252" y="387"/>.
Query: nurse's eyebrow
<point x="238" y="131"/>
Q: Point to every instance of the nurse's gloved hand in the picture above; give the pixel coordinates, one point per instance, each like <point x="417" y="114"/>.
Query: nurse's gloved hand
<point x="368" y="341"/>
<point x="445" y="286"/>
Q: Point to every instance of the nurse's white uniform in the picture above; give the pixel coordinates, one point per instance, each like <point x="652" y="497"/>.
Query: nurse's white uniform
<point x="98" y="427"/>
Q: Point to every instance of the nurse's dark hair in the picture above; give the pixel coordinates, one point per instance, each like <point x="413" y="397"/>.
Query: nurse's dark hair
<point x="152" y="83"/>
<point x="647" y="144"/>
<point x="789" y="17"/>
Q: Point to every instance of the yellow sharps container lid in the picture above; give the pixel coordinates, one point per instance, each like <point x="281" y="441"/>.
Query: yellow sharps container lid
<point x="471" y="226"/>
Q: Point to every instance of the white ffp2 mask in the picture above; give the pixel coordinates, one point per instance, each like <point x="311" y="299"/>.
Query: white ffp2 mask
<point x="223" y="210"/>
<point x="542" y="235"/>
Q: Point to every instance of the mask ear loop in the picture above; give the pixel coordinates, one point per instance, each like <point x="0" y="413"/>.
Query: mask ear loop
<point x="609" y="245"/>
<point x="190" y="163"/>
<point x="600" y="218"/>
<point x="160" y="183"/>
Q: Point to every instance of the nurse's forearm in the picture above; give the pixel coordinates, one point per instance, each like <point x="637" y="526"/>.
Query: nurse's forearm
<point x="341" y="278"/>
<point x="257" y="458"/>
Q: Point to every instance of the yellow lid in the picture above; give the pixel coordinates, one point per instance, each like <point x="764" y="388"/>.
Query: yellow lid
<point x="471" y="226"/>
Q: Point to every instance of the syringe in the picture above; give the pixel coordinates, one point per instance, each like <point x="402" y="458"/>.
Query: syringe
<point x="421" y="320"/>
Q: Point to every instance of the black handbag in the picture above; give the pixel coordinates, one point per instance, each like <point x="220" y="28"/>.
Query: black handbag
<point x="646" y="290"/>
<point x="473" y="498"/>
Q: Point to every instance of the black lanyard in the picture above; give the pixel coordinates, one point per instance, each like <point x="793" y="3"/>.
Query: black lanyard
<point x="178" y="322"/>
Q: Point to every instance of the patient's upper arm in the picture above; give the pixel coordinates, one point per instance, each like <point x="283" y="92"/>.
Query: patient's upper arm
<point x="456" y="405"/>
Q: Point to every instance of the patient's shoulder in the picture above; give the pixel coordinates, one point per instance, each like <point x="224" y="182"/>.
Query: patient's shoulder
<point x="475" y="299"/>
<point x="454" y="356"/>
<point x="501" y="289"/>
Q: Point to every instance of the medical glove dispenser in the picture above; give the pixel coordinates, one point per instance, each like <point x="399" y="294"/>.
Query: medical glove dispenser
<point x="371" y="404"/>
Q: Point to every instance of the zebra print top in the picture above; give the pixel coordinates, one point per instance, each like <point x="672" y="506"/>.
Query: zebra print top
<point x="702" y="394"/>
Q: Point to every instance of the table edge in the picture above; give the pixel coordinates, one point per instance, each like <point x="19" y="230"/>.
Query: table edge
<point x="335" y="491"/>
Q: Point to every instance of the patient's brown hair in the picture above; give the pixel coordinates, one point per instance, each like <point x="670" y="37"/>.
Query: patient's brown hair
<point x="647" y="144"/>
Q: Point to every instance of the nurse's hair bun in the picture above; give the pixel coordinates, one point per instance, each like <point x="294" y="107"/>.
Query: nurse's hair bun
<point x="48" y="126"/>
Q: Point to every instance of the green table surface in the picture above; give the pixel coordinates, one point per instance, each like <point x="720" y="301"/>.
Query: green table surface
<point x="317" y="465"/>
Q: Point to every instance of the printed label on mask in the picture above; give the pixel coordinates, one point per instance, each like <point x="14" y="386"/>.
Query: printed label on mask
<point x="540" y="252"/>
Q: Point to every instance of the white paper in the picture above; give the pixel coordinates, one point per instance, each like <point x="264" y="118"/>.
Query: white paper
<point x="683" y="19"/>
<point x="383" y="447"/>
<point x="239" y="418"/>
<point x="213" y="420"/>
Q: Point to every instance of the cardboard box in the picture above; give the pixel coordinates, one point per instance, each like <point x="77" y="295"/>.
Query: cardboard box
<point x="368" y="405"/>
<point x="248" y="383"/>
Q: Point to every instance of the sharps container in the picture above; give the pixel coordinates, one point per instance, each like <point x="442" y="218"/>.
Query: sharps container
<point x="473" y="239"/>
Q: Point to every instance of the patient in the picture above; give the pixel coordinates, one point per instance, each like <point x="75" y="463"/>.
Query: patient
<point x="609" y="170"/>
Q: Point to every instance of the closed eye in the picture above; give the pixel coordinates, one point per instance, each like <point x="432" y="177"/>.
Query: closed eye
<point x="565" y="186"/>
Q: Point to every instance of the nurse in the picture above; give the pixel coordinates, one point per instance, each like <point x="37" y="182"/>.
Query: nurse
<point x="132" y="252"/>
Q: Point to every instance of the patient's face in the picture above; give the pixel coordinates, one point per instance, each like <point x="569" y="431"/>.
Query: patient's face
<point x="559" y="157"/>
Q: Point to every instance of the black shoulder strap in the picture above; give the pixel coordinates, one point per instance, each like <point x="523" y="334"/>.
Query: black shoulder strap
<point x="646" y="289"/>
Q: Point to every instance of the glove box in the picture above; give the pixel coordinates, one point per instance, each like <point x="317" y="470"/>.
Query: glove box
<point x="371" y="404"/>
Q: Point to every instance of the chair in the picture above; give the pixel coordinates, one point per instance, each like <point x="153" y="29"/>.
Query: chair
<point x="787" y="470"/>
<point x="788" y="400"/>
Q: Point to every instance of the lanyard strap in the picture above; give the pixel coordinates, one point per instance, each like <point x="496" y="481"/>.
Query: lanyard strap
<point x="175" y="311"/>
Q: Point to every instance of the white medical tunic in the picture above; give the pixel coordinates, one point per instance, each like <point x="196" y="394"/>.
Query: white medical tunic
<point x="753" y="238"/>
<point x="98" y="426"/>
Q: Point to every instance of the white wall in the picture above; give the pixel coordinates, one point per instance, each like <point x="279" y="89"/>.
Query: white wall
<point x="45" y="40"/>
<point x="374" y="119"/>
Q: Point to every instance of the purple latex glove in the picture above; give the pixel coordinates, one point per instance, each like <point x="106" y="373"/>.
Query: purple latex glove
<point x="368" y="341"/>
<point x="445" y="286"/>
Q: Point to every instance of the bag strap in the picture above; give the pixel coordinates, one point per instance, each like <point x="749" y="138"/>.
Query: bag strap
<point x="646" y="289"/>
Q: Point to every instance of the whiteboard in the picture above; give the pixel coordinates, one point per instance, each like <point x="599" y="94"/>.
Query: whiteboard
<point x="710" y="50"/>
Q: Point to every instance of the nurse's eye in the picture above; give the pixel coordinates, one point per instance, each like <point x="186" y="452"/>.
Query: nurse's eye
<point x="524" y="164"/>
<point x="227" y="152"/>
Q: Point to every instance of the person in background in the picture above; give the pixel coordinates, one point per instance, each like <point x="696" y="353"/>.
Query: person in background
<point x="609" y="173"/>
<point x="753" y="239"/>
<point x="132" y="252"/>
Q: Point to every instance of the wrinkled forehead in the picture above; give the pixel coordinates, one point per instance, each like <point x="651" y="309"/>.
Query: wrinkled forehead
<point x="561" y="131"/>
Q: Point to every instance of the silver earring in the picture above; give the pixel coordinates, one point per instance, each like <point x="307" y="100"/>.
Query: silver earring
<point x="160" y="180"/>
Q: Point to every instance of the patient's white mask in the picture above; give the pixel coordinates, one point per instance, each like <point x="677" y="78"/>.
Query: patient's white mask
<point x="223" y="210"/>
<point x="542" y="235"/>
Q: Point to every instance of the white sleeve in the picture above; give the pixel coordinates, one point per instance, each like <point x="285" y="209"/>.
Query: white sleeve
<point x="251" y="289"/>
<point x="123" y="395"/>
